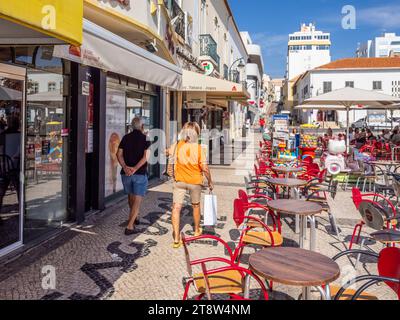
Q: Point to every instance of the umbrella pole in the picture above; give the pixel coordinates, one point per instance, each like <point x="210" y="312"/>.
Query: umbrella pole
<point x="348" y="130"/>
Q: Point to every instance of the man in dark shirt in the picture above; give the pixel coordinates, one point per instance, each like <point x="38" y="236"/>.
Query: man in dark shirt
<point x="133" y="154"/>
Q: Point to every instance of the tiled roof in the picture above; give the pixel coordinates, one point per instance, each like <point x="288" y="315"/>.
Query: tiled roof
<point x="362" y="63"/>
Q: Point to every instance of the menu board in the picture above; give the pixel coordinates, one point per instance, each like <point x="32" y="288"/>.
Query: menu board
<point x="281" y="129"/>
<point x="115" y="130"/>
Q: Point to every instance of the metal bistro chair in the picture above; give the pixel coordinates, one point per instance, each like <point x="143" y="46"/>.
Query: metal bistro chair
<point x="376" y="215"/>
<point x="317" y="192"/>
<point x="250" y="228"/>
<point x="227" y="280"/>
<point x="389" y="273"/>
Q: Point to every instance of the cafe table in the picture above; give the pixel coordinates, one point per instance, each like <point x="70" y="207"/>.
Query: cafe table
<point x="385" y="163"/>
<point x="294" y="267"/>
<point x="305" y="210"/>
<point x="292" y="184"/>
<point x="387" y="236"/>
<point x="288" y="171"/>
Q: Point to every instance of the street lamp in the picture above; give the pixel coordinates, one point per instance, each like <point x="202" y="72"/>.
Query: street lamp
<point x="240" y="66"/>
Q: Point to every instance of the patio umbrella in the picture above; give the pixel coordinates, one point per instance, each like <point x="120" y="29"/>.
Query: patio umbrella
<point x="353" y="98"/>
<point x="10" y="94"/>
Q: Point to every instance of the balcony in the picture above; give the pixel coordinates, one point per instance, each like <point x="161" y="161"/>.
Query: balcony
<point x="208" y="48"/>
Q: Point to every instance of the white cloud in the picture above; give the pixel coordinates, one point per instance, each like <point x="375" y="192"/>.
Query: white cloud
<point x="384" y="16"/>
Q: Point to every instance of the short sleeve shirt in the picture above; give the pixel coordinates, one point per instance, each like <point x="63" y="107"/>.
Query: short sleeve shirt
<point x="189" y="159"/>
<point x="134" y="146"/>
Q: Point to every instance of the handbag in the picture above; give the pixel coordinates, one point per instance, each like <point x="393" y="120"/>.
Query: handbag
<point x="210" y="209"/>
<point x="170" y="171"/>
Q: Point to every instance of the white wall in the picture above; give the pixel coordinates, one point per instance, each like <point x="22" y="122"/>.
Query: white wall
<point x="363" y="79"/>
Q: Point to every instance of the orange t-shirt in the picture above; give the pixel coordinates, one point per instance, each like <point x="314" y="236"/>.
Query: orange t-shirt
<point x="189" y="158"/>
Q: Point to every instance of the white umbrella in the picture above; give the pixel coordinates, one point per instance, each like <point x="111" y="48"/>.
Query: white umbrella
<point x="10" y="94"/>
<point x="352" y="97"/>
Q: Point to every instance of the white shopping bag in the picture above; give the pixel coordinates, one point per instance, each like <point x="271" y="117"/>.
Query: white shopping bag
<point x="210" y="210"/>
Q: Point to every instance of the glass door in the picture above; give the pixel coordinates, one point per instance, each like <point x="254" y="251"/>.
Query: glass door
<point x="12" y="89"/>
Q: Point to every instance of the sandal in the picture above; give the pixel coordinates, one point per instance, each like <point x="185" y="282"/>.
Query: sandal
<point x="177" y="245"/>
<point x="200" y="233"/>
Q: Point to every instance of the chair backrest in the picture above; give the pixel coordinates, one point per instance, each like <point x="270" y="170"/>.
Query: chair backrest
<point x="243" y="196"/>
<point x="396" y="185"/>
<point x="238" y="212"/>
<point x="357" y="197"/>
<point x="373" y="215"/>
<point x="389" y="266"/>
<point x="322" y="175"/>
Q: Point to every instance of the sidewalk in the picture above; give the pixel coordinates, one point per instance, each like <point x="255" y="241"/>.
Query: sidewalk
<point x="97" y="261"/>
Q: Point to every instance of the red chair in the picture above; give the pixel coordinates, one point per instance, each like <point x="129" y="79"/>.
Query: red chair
<point x="249" y="203"/>
<point x="389" y="273"/>
<point x="251" y="235"/>
<point x="227" y="280"/>
<point x="374" y="214"/>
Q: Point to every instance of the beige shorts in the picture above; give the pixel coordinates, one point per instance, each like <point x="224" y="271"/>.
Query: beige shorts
<point x="180" y="189"/>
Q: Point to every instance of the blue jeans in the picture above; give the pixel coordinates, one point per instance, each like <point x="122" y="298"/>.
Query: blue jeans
<point x="135" y="185"/>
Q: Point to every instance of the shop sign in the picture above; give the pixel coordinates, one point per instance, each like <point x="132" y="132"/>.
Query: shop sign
<point x="208" y="68"/>
<point x="61" y="19"/>
<point x="85" y="88"/>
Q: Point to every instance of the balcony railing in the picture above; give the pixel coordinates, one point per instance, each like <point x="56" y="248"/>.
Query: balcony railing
<point x="208" y="47"/>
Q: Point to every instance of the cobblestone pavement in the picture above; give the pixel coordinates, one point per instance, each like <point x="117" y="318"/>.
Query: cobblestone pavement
<point x="96" y="261"/>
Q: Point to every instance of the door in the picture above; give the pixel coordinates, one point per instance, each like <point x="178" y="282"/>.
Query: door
<point x="12" y="101"/>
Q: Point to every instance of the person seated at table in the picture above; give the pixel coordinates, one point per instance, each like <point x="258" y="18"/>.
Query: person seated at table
<point x="362" y="139"/>
<point x="330" y="133"/>
<point x="370" y="136"/>
<point x="395" y="138"/>
<point x="384" y="136"/>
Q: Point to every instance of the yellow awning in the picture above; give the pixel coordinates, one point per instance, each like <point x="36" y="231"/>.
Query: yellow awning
<point x="61" y="19"/>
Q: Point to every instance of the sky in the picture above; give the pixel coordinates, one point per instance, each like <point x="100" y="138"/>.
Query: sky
<point x="270" y="22"/>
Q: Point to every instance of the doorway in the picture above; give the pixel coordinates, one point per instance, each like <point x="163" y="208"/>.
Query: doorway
<point x="12" y="106"/>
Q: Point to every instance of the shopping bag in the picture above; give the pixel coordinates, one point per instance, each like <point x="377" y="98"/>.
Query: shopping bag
<point x="210" y="210"/>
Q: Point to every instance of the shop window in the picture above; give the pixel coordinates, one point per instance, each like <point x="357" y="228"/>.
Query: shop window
<point x="24" y="55"/>
<point x="45" y="60"/>
<point x="6" y="54"/>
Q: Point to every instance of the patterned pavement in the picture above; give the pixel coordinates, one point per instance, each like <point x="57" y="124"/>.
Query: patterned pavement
<point x="97" y="261"/>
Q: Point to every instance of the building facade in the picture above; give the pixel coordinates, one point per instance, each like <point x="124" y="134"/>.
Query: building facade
<point x="70" y="96"/>
<point x="386" y="45"/>
<point x="307" y="49"/>
<point x="379" y="74"/>
<point x="254" y="77"/>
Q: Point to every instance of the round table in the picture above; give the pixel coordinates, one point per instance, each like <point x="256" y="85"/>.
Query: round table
<point x="287" y="170"/>
<point x="387" y="236"/>
<point x="295" y="267"/>
<point x="387" y="164"/>
<point x="305" y="210"/>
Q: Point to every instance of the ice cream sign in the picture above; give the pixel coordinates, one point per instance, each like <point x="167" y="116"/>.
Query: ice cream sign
<point x="208" y="68"/>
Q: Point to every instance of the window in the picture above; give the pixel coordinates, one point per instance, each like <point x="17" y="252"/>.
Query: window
<point x="33" y="87"/>
<point x="377" y="85"/>
<point x="327" y="87"/>
<point x="52" y="86"/>
<point x="349" y="84"/>
<point x="323" y="47"/>
<point x="309" y="47"/>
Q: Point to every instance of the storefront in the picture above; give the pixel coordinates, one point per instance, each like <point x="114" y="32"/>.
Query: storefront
<point x="34" y="119"/>
<point x="126" y="99"/>
<point x="210" y="101"/>
<point x="124" y="90"/>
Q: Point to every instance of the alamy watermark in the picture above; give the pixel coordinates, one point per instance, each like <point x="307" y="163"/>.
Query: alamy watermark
<point x="349" y="19"/>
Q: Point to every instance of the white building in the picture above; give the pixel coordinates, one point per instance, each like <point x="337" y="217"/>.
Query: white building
<point x="380" y="74"/>
<point x="307" y="49"/>
<point x="384" y="46"/>
<point x="254" y="73"/>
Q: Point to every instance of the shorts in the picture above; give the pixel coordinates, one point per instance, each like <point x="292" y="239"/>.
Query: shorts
<point x="135" y="185"/>
<point x="180" y="189"/>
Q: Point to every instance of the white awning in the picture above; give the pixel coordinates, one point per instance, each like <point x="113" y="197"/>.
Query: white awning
<point x="105" y="50"/>
<point x="216" y="89"/>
